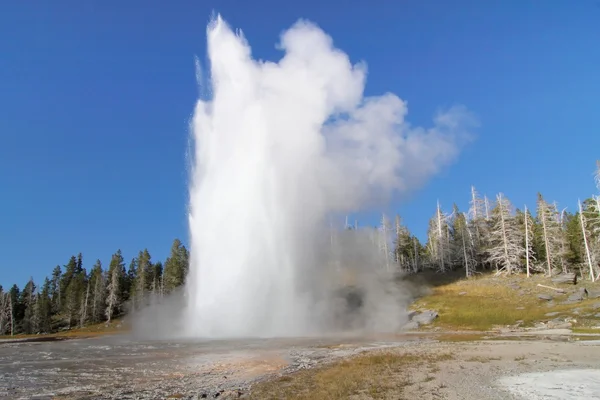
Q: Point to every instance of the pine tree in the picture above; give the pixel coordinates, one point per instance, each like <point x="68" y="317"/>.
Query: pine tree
<point x="16" y="309"/>
<point x="116" y="283"/>
<point x="54" y="293"/>
<point x="403" y="247"/>
<point x="45" y="308"/>
<point x="142" y="279"/>
<point x="28" y="304"/>
<point x="156" y="278"/>
<point x="128" y="289"/>
<point x="112" y="299"/>
<point x="176" y="266"/>
<point x="98" y="286"/>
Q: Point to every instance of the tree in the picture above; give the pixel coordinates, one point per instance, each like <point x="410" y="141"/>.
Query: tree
<point x="506" y="249"/>
<point x="44" y="305"/>
<point x="461" y="247"/>
<point x="403" y="247"/>
<point x="176" y="266"/>
<point x="478" y="228"/>
<point x="597" y="174"/>
<point x="112" y="299"/>
<point x="116" y="280"/>
<point x="142" y="279"/>
<point x="28" y="304"/>
<point x="528" y="224"/>
<point x="384" y="240"/>
<point x="438" y="240"/>
<point x="588" y="254"/>
<point x="54" y="293"/>
<point x="98" y="286"/>
<point x="156" y="279"/>
<point x="549" y="220"/>
<point x="16" y="309"/>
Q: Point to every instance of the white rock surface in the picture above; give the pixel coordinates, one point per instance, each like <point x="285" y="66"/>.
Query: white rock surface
<point x="554" y="385"/>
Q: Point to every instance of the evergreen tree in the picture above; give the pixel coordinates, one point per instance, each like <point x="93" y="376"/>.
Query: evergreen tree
<point x="143" y="280"/>
<point x="129" y="288"/>
<point x="44" y="308"/>
<point x="16" y="309"/>
<point x="156" y="279"/>
<point x="28" y="297"/>
<point x="176" y="266"/>
<point x="54" y="293"/>
<point x="116" y="284"/>
<point x="403" y="247"/>
<point x="98" y="287"/>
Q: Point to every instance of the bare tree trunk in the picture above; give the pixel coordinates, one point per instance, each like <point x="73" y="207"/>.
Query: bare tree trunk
<point x="504" y="238"/>
<point x="527" y="242"/>
<point x="12" y="316"/>
<point x="487" y="207"/>
<point x="84" y="306"/>
<point x="440" y="238"/>
<point x="546" y="242"/>
<point x="465" y="254"/>
<point x="416" y="256"/>
<point x="384" y="224"/>
<point x="585" y="242"/>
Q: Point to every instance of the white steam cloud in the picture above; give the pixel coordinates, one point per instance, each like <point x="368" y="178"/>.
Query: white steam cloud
<point x="279" y="148"/>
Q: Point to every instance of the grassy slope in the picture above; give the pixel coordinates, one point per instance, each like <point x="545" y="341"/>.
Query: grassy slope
<point x="477" y="304"/>
<point x="104" y="328"/>
<point x="486" y="302"/>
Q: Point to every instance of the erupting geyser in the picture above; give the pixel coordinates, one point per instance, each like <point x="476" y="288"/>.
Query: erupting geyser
<point x="277" y="149"/>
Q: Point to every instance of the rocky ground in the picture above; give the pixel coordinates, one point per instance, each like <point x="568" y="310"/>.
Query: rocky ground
<point x="119" y="368"/>
<point x="116" y="368"/>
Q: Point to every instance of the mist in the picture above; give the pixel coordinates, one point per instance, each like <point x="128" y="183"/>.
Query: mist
<point x="278" y="149"/>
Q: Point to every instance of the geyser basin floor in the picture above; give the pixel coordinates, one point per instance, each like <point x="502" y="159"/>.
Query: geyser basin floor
<point x="118" y="368"/>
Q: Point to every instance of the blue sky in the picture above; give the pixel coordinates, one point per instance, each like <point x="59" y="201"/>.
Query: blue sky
<point x="95" y="99"/>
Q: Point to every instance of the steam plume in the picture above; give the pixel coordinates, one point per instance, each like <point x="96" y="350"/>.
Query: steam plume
<point x="278" y="148"/>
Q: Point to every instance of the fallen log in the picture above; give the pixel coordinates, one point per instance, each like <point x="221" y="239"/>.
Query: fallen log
<point x="559" y="290"/>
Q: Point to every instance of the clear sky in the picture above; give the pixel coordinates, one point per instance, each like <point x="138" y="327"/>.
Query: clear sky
<point x="95" y="99"/>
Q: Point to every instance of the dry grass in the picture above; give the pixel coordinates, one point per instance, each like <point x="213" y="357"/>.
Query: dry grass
<point x="486" y="302"/>
<point x="104" y="328"/>
<point x="379" y="375"/>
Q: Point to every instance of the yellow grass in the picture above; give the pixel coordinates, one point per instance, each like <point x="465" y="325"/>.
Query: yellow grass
<point x="101" y="329"/>
<point x="374" y="375"/>
<point x="487" y="302"/>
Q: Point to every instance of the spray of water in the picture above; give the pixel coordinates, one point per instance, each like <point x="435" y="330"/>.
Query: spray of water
<point x="279" y="148"/>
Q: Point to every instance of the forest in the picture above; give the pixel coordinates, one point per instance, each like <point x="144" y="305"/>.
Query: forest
<point x="491" y="236"/>
<point x="72" y="297"/>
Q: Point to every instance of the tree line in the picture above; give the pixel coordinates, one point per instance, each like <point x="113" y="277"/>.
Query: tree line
<point x="494" y="235"/>
<point x="73" y="297"/>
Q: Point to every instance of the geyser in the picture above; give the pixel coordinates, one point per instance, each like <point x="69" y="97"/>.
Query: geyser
<point x="278" y="148"/>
